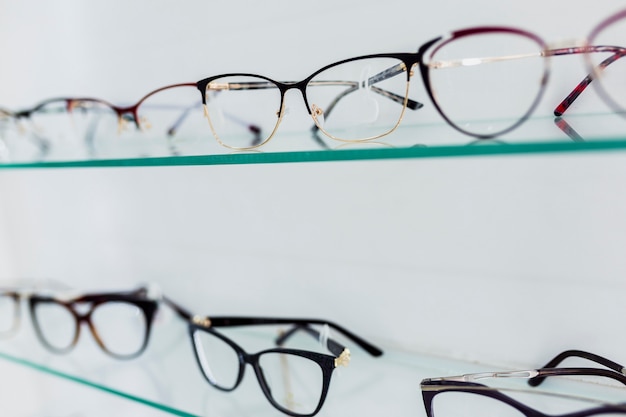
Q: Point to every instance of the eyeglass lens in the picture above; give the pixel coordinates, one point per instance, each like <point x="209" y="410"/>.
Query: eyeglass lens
<point x="486" y="83"/>
<point x="294" y="382"/>
<point x="353" y="101"/>
<point x="460" y="404"/>
<point x="610" y="67"/>
<point x="243" y="111"/>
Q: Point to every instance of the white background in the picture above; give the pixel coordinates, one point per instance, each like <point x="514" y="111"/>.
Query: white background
<point x="502" y="260"/>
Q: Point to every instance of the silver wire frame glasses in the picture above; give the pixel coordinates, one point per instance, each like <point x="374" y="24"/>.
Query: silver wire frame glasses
<point x="449" y="396"/>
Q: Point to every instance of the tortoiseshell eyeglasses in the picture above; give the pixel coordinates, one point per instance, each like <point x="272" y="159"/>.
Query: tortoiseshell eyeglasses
<point x="119" y="321"/>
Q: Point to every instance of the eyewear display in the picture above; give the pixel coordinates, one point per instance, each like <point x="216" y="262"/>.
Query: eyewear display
<point x="462" y="395"/>
<point x="483" y="81"/>
<point x="294" y="381"/>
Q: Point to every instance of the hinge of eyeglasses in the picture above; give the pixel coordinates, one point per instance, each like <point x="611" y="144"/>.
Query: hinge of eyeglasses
<point x="218" y="86"/>
<point x="343" y="359"/>
<point x="201" y="321"/>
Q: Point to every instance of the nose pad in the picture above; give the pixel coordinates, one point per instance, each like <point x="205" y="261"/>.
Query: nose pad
<point x="122" y="125"/>
<point x="318" y="115"/>
<point x="144" y="123"/>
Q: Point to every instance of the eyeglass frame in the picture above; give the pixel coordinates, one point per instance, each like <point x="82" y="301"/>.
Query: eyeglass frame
<point x="138" y="298"/>
<point x="326" y="362"/>
<point x="430" y="387"/>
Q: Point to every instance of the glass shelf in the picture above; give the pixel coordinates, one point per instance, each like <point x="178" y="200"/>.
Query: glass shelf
<point x="166" y="379"/>
<point x="579" y="133"/>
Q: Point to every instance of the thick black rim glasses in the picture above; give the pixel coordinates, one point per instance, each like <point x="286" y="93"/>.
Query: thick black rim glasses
<point x="483" y="81"/>
<point x="456" y="395"/>
<point x="120" y="322"/>
<point x="294" y="381"/>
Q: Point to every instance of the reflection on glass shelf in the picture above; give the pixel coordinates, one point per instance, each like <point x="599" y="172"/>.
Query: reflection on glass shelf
<point x="166" y="380"/>
<point x="23" y="148"/>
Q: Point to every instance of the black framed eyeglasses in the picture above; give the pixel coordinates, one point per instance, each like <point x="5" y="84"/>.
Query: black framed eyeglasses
<point x="463" y="395"/>
<point x="294" y="381"/>
<point x="120" y="322"/>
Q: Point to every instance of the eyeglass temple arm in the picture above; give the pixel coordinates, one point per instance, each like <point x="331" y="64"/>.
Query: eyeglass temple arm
<point x="533" y="375"/>
<point x="154" y="292"/>
<point x="246" y="321"/>
<point x="619" y="373"/>
<point x="332" y="345"/>
<point x="618" y="52"/>
<point x="386" y="74"/>
<point x="171" y="131"/>
<point x="182" y="312"/>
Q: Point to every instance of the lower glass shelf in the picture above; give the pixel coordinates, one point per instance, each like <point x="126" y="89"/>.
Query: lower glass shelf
<point x="165" y="380"/>
<point x="591" y="132"/>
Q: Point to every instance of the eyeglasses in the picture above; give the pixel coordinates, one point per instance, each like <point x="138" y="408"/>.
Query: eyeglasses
<point x="483" y="81"/>
<point x="87" y="121"/>
<point x="294" y="381"/>
<point x="120" y="322"/>
<point x="461" y="395"/>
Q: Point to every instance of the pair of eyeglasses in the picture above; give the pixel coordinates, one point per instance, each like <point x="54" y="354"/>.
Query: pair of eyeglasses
<point x="294" y="381"/>
<point x="484" y="82"/>
<point x="120" y="322"/>
<point x="462" y="395"/>
<point x="89" y="121"/>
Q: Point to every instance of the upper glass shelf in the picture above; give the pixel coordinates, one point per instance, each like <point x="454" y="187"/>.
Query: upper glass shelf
<point x="589" y="132"/>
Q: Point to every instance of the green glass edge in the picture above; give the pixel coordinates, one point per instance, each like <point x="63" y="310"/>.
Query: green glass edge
<point x="73" y="378"/>
<point x="337" y="155"/>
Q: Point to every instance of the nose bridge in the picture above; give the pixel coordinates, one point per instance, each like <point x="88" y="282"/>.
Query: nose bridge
<point x="82" y="312"/>
<point x="126" y="114"/>
<point x="84" y="317"/>
<point x="300" y="86"/>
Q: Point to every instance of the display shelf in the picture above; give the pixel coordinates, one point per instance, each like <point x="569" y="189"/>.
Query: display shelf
<point x="602" y="132"/>
<point x="165" y="378"/>
<point x="339" y="155"/>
